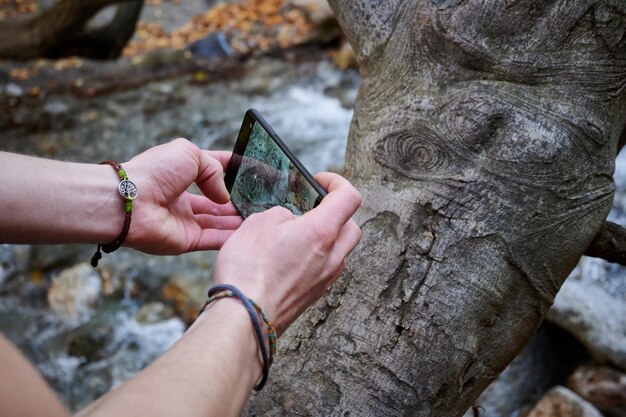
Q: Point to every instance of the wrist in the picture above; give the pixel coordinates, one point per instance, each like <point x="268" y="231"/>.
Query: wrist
<point x="256" y="291"/>
<point x="99" y="208"/>
<point x="228" y="320"/>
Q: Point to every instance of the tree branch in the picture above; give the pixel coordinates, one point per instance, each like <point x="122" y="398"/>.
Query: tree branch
<point x="61" y="31"/>
<point x="609" y="244"/>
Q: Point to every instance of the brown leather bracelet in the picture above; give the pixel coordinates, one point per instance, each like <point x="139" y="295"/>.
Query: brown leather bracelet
<point x="128" y="190"/>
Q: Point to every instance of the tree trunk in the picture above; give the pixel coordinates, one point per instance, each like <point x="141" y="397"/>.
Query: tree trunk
<point x="483" y="143"/>
<point x="62" y="30"/>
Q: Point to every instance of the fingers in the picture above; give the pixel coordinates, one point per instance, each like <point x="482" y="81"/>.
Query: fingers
<point x="209" y="221"/>
<point x="275" y="215"/>
<point x="222" y="156"/>
<point x="338" y="206"/>
<point x="210" y="177"/>
<point x="202" y="205"/>
<point x="180" y="155"/>
<point x="337" y="273"/>
<point x="212" y="239"/>
<point x="349" y="237"/>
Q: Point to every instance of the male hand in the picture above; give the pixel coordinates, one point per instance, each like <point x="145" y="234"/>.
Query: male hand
<point x="168" y="220"/>
<point x="285" y="262"/>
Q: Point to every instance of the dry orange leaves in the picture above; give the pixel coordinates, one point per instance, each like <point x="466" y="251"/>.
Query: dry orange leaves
<point x="249" y="25"/>
<point x="253" y="25"/>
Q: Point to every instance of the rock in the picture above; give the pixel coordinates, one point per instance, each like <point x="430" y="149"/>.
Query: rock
<point x="146" y="282"/>
<point x="115" y="109"/>
<point x="33" y="292"/>
<point x="47" y="257"/>
<point x="319" y="11"/>
<point x="113" y="283"/>
<point x="344" y="57"/>
<point x="604" y="387"/>
<point x="74" y="292"/>
<point x="264" y="76"/>
<point x="214" y="46"/>
<point x="166" y="88"/>
<point x="181" y="302"/>
<point x="609" y="277"/>
<point x="561" y="402"/>
<point x="194" y="286"/>
<point x="90" y="342"/>
<point x="154" y="313"/>
<point x="95" y="381"/>
<point x="14" y="90"/>
<point x="345" y="89"/>
<point x="56" y="107"/>
<point x="13" y="259"/>
<point x="597" y="319"/>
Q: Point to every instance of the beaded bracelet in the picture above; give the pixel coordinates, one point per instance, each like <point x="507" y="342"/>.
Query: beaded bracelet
<point x="223" y="291"/>
<point x="128" y="191"/>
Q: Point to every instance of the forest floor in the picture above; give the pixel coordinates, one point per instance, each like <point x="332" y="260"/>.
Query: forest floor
<point x="175" y="37"/>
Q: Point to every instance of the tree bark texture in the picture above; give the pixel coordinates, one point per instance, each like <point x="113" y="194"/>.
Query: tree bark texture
<point x="62" y="30"/>
<point x="483" y="143"/>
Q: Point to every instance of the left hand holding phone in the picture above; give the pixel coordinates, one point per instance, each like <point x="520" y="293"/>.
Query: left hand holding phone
<point x="169" y="220"/>
<point x="286" y="262"/>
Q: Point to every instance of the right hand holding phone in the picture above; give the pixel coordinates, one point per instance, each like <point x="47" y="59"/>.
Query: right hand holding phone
<point x="285" y="262"/>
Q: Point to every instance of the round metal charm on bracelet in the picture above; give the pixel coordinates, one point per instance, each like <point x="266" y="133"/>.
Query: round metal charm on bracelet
<point x="128" y="190"/>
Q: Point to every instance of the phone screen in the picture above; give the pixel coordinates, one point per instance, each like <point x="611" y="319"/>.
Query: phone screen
<point x="263" y="173"/>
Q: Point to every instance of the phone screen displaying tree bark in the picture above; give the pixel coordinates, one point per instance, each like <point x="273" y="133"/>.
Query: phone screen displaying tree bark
<point x="266" y="176"/>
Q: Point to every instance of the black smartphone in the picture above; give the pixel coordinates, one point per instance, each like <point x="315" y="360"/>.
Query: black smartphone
<point x="263" y="173"/>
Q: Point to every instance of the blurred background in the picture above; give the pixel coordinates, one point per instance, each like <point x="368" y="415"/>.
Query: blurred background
<point x="191" y="68"/>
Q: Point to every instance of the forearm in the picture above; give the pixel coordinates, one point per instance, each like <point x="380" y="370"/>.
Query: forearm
<point x="210" y="372"/>
<point x="46" y="201"/>
<point x="23" y="392"/>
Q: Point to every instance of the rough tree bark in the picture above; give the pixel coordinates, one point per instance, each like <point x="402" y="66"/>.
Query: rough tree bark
<point x="62" y="30"/>
<point x="483" y="142"/>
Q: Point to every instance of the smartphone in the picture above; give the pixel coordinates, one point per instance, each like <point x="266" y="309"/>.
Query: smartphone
<point x="263" y="173"/>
